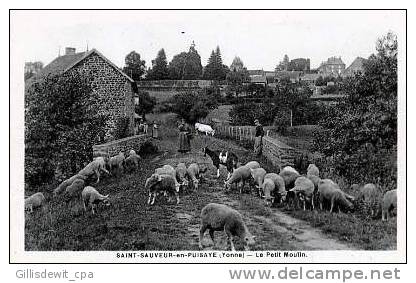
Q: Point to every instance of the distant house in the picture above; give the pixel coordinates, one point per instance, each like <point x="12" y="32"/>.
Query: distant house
<point x="114" y="87"/>
<point x="293" y="76"/>
<point x="332" y="67"/>
<point x="309" y="78"/>
<point x="299" y="64"/>
<point x="261" y="80"/>
<point x="356" y="66"/>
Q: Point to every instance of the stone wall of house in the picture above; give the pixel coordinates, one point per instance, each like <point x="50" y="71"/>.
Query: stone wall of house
<point x="278" y="153"/>
<point x="114" y="89"/>
<point x="125" y="145"/>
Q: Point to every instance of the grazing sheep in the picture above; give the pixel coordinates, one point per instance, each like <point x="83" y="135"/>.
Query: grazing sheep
<point x="193" y="174"/>
<point x="116" y="162"/>
<point x="279" y="183"/>
<point x="257" y="178"/>
<point x="315" y="180"/>
<point x="289" y="176"/>
<point x="312" y="170"/>
<point x="75" y="189"/>
<point x="268" y="187"/>
<point x="132" y="161"/>
<point x="240" y="175"/>
<point x="158" y="184"/>
<point x="169" y="170"/>
<point x="253" y="164"/>
<point x="91" y="197"/>
<point x="34" y="201"/>
<point x="219" y="217"/>
<point x="181" y="174"/>
<point x="330" y="192"/>
<point x="371" y="196"/>
<point x="94" y="167"/>
<point x="389" y="203"/>
<point x="61" y="188"/>
<point x="305" y="188"/>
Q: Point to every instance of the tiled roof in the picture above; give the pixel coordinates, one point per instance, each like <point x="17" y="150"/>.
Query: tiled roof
<point x="258" y="79"/>
<point x="67" y="62"/>
<point x="356" y="65"/>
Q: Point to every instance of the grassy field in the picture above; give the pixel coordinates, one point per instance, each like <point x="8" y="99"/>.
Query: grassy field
<point x="130" y="224"/>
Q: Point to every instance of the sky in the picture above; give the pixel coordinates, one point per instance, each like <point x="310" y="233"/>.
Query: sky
<point x="259" y="38"/>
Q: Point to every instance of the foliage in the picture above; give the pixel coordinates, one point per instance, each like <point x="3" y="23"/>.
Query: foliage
<point x="62" y="123"/>
<point x="146" y="103"/>
<point x="159" y="70"/>
<point x="134" y="66"/>
<point x="215" y="69"/>
<point x="237" y="77"/>
<point x="186" y="65"/>
<point x="361" y="132"/>
<point x="194" y="105"/>
<point x="245" y="113"/>
<point x="122" y="128"/>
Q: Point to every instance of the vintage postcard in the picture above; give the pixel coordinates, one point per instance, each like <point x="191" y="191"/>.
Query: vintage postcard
<point x="208" y="136"/>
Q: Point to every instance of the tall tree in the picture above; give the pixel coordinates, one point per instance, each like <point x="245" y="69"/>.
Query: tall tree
<point x="237" y="76"/>
<point x="134" y="66"/>
<point x="186" y="65"/>
<point x="159" y="70"/>
<point x="215" y="69"/>
<point x="361" y="132"/>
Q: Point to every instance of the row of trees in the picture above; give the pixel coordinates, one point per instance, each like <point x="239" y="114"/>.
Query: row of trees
<point x="186" y="66"/>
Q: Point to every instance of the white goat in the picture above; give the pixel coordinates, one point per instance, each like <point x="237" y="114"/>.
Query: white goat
<point x="207" y="129"/>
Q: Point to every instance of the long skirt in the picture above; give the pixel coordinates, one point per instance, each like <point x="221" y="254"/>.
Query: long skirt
<point x="184" y="143"/>
<point x="155" y="133"/>
<point x="258" y="145"/>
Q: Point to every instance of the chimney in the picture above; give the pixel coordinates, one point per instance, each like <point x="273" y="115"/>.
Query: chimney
<point x="69" y="51"/>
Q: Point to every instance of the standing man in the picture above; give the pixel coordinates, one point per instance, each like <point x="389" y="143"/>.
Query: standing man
<point x="184" y="137"/>
<point x="258" y="141"/>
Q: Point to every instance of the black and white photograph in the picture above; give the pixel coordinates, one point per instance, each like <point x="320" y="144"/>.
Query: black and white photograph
<point x="212" y="136"/>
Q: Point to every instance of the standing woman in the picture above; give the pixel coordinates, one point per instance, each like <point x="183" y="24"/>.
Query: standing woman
<point x="155" y="130"/>
<point x="184" y="137"/>
<point x="258" y="141"/>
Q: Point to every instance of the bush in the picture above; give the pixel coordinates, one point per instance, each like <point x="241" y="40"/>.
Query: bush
<point x="62" y="123"/>
<point x="194" y="105"/>
<point x="360" y="133"/>
<point x="122" y="128"/>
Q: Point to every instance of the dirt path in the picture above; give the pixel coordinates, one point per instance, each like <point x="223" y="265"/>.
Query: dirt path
<point x="274" y="229"/>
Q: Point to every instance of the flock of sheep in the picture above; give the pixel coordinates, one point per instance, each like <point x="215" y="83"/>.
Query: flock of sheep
<point x="274" y="187"/>
<point x="75" y="187"/>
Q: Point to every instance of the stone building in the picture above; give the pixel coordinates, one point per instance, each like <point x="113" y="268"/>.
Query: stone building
<point x="332" y="67"/>
<point x="356" y="66"/>
<point x="114" y="87"/>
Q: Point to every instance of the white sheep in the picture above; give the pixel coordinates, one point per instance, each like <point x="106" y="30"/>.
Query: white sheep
<point x="289" y="176"/>
<point x="240" y="175"/>
<point x="305" y="188"/>
<point x="312" y="170"/>
<point x="219" y="217"/>
<point x="389" y="203"/>
<point x="330" y="192"/>
<point x="116" y="162"/>
<point x="290" y="169"/>
<point x="257" y="178"/>
<point x="158" y="184"/>
<point x="132" y="161"/>
<point x="207" y="129"/>
<point x="34" y="201"/>
<point x="91" y="197"/>
<point x="94" y="167"/>
<point x="315" y="180"/>
<point x="181" y="174"/>
<point x="61" y="188"/>
<point x="253" y="164"/>
<point x="279" y="183"/>
<point x="193" y="174"/>
<point x="169" y="170"/>
<point x="268" y="187"/>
